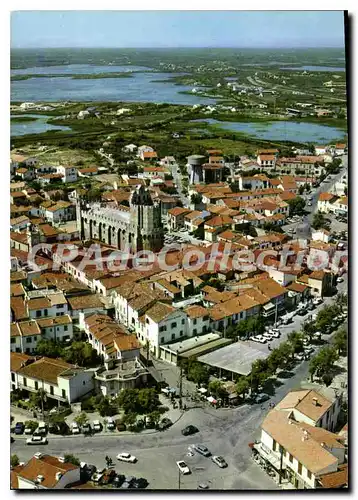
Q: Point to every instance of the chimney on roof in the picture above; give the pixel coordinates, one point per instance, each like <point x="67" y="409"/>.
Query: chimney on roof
<point x="39" y="478"/>
<point x="58" y="476"/>
<point x="315" y="401"/>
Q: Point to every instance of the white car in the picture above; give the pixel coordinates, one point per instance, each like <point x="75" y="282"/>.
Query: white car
<point x="37" y="440"/>
<point x="317" y="301"/>
<point x="28" y="431"/>
<point x="97" y="426"/>
<point x="126" y="457"/>
<point x="274" y="333"/>
<point x="268" y="336"/>
<point x="184" y="469"/>
<point x="74" y="428"/>
<point x="340" y="279"/>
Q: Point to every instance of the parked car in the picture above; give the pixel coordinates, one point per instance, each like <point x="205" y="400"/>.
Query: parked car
<point x="140" y="483"/>
<point x="118" y="480"/>
<point x="97" y="476"/>
<point x="28" y="431"/>
<point x="261" y="397"/>
<point x="97" y="426"/>
<point x="268" y="336"/>
<point x="302" y="312"/>
<point x="184" y="469"/>
<point x="74" y="428"/>
<point x="164" y="424"/>
<point x="317" y="301"/>
<point x="86" y="428"/>
<point x="110" y="424"/>
<point x="219" y="461"/>
<point x="128" y="482"/>
<point x="203" y="486"/>
<point x="340" y="279"/>
<point x="41" y="429"/>
<point x="189" y="429"/>
<point x="203" y="450"/>
<point x="274" y="334"/>
<point x="126" y="457"/>
<point x="19" y="428"/>
<point x="37" y="440"/>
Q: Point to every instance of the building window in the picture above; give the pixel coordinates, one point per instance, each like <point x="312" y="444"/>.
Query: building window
<point x="183" y="321"/>
<point x="24" y="382"/>
<point x="38" y="314"/>
<point x="51" y="390"/>
<point x="173" y="336"/>
<point x="290" y="457"/>
<point x="162" y="328"/>
<point x="173" y="325"/>
<point x="13" y="340"/>
<point x="46" y="312"/>
<point x="274" y="445"/>
<point x="36" y="385"/>
<point x="65" y="328"/>
<point x="299" y="470"/>
<point x="194" y="331"/>
<point x="13" y="377"/>
<point x="63" y="393"/>
<point x="194" y="321"/>
<point x="309" y="474"/>
<point x="162" y="340"/>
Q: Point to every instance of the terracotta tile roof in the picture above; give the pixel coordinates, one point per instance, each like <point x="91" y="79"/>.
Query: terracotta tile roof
<point x="219" y="221"/>
<point x="46" y="369"/>
<point x="14" y="482"/>
<point x="28" y="328"/>
<point x="46" y="466"/>
<point x="267" y="151"/>
<point x="267" y="157"/>
<point x="20" y="237"/>
<point x="18" y="360"/>
<point x="126" y="342"/>
<point x="150" y="154"/>
<point x="14" y="330"/>
<point x="88" y="170"/>
<point x="196" y="311"/>
<point x="59" y="206"/>
<point x="85" y="302"/>
<point x="38" y="303"/>
<point x="192" y="215"/>
<point x="325" y="197"/>
<point x="18" y="308"/>
<point x="270" y="288"/>
<point x="57" y="320"/>
<point x="300" y="441"/>
<point x="305" y="402"/>
<point x="160" y="311"/>
<point x="18" y="276"/>
<point x="178" y="211"/>
<point x="337" y="479"/>
<point x="17" y="290"/>
<point x="296" y="287"/>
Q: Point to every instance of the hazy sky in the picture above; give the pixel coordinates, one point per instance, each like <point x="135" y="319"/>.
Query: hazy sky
<point x="177" y="29"/>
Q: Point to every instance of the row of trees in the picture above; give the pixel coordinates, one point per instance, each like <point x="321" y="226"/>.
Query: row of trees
<point x="247" y="327"/>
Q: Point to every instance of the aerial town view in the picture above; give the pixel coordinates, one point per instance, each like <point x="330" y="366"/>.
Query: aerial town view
<point x="179" y="250"/>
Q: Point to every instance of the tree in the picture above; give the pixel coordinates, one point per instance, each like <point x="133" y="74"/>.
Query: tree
<point x="323" y="363"/>
<point x="319" y="221"/>
<point x="81" y="419"/>
<point x="342" y="301"/>
<point x="14" y="460"/>
<point x="31" y="424"/>
<point x="340" y="342"/>
<point x="311" y="148"/>
<point x="128" y="400"/>
<point x="105" y="407"/>
<point x="82" y="354"/>
<point x="274" y="361"/>
<point x="196" y="199"/>
<point x="71" y="459"/>
<point x="242" y="387"/>
<point x="325" y="318"/>
<point x="296" y="341"/>
<point x="301" y="189"/>
<point x="216" y="388"/>
<point x="297" y="206"/>
<point x="38" y="399"/>
<point x="155" y="417"/>
<point x="130" y="419"/>
<point x="198" y="373"/>
<point x="309" y="329"/>
<point x="49" y="348"/>
<point x="148" y="400"/>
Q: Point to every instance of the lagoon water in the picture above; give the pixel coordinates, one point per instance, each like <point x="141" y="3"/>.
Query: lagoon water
<point x="139" y="88"/>
<point x="34" y="127"/>
<point x="282" y="130"/>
